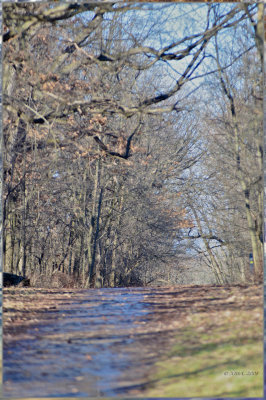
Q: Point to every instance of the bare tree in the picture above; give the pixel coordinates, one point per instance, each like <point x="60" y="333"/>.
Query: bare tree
<point x="97" y="134"/>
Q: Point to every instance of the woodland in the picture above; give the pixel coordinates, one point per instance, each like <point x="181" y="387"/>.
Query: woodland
<point x="132" y="143"/>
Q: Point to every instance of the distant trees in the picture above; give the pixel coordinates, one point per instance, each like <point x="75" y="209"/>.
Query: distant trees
<point x="103" y="140"/>
<point x="229" y="216"/>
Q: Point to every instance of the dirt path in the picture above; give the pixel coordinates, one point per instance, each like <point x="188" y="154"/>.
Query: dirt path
<point x="108" y="342"/>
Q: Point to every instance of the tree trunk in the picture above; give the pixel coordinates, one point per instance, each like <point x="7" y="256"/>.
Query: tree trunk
<point x="114" y="261"/>
<point x="95" y="239"/>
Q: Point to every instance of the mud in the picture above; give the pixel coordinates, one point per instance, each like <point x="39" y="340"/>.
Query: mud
<point x="102" y="342"/>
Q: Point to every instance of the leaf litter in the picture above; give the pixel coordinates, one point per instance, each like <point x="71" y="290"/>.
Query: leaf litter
<point x="112" y="342"/>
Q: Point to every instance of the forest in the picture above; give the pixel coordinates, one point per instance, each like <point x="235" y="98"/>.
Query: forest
<point x="133" y="143"/>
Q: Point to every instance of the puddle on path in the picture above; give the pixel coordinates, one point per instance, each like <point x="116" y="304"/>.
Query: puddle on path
<point x="83" y="349"/>
<point x="105" y="342"/>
